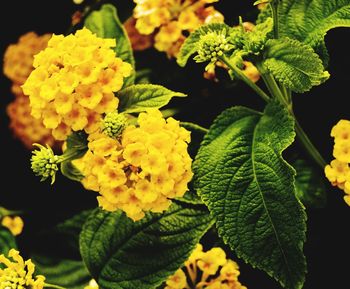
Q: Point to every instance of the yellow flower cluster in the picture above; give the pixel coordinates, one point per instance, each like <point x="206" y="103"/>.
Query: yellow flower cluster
<point x="25" y="127"/>
<point x="217" y="272"/>
<point x="171" y="20"/>
<point x="74" y="81"/>
<point x="338" y="171"/>
<point x="18" y="274"/>
<point x="13" y="223"/>
<point x="143" y="169"/>
<point x="18" y="58"/>
<point x="18" y="64"/>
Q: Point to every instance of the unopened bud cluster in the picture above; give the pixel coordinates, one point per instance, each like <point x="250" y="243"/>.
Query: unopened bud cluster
<point x="113" y="124"/>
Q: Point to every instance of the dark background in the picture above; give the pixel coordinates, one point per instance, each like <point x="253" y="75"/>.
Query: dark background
<point x="327" y="246"/>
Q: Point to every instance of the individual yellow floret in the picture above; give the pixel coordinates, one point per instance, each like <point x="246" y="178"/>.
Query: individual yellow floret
<point x="208" y="269"/>
<point x="169" y="22"/>
<point x="74" y="82"/>
<point x="92" y="285"/>
<point x="18" y="58"/>
<point x="18" y="274"/>
<point x="140" y="169"/>
<point x="13" y="223"/>
<point x="25" y="127"/>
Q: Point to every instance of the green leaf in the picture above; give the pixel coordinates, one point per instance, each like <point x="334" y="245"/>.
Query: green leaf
<point x="140" y="97"/>
<point x="71" y="274"/>
<point x="71" y="172"/>
<point x="294" y="64"/>
<point x="7" y="241"/>
<point x="106" y="24"/>
<point x="249" y="188"/>
<point x="122" y="254"/>
<point x="72" y="227"/>
<point x="57" y="254"/>
<point x="190" y="198"/>
<point x="310" y="186"/>
<point x="189" y="47"/>
<point x="309" y="20"/>
<point x="77" y="146"/>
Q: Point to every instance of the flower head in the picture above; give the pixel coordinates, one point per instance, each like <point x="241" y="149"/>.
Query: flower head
<point x="211" y="46"/>
<point x="170" y="21"/>
<point x="18" y="273"/>
<point x="113" y="124"/>
<point x="142" y="169"/>
<point x="24" y="126"/>
<point x="338" y="171"/>
<point x="45" y="163"/>
<point x="18" y="58"/>
<point x="74" y="81"/>
<point x="208" y="269"/>
<point x="13" y="223"/>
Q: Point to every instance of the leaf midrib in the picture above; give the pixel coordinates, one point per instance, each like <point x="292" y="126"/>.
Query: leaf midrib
<point x="264" y="203"/>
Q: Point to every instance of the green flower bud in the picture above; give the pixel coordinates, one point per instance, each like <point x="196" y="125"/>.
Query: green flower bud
<point x="113" y="124"/>
<point x="211" y="46"/>
<point x="45" y="163"/>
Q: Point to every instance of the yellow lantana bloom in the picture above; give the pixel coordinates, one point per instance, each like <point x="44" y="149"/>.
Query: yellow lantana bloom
<point x="14" y="224"/>
<point x="18" y="273"/>
<point x="171" y="20"/>
<point x="25" y="127"/>
<point x="142" y="169"/>
<point x="74" y="81"/>
<point x="18" y="58"/>
<point x="338" y="171"/>
<point x="208" y="269"/>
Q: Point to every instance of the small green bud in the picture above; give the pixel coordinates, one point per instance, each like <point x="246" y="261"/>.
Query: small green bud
<point x="113" y="124"/>
<point x="211" y="45"/>
<point x="45" y="163"/>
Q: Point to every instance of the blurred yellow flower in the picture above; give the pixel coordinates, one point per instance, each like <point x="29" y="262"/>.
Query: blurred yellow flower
<point x="208" y="269"/>
<point x="25" y="127"/>
<point x="92" y="285"/>
<point x="18" y="58"/>
<point x="142" y="169"/>
<point x="170" y="21"/>
<point x="13" y="223"/>
<point x="18" y="274"/>
<point x="74" y="81"/>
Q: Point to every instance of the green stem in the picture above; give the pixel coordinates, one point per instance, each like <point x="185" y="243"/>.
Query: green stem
<point x="301" y="135"/>
<point x="194" y="126"/>
<point x="5" y="212"/>
<point x="47" y="285"/>
<point x="274" y="8"/>
<point x="240" y="75"/>
<point x="304" y="139"/>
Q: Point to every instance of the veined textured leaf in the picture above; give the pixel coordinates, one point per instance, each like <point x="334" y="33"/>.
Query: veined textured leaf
<point x="7" y="241"/>
<point x="189" y="47"/>
<point x="122" y="254"/>
<point x="294" y="64"/>
<point x="106" y="24"/>
<point x="310" y="187"/>
<point x="67" y="271"/>
<point x="309" y="20"/>
<point x="71" y="274"/>
<point x="249" y="188"/>
<point x="140" y="97"/>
